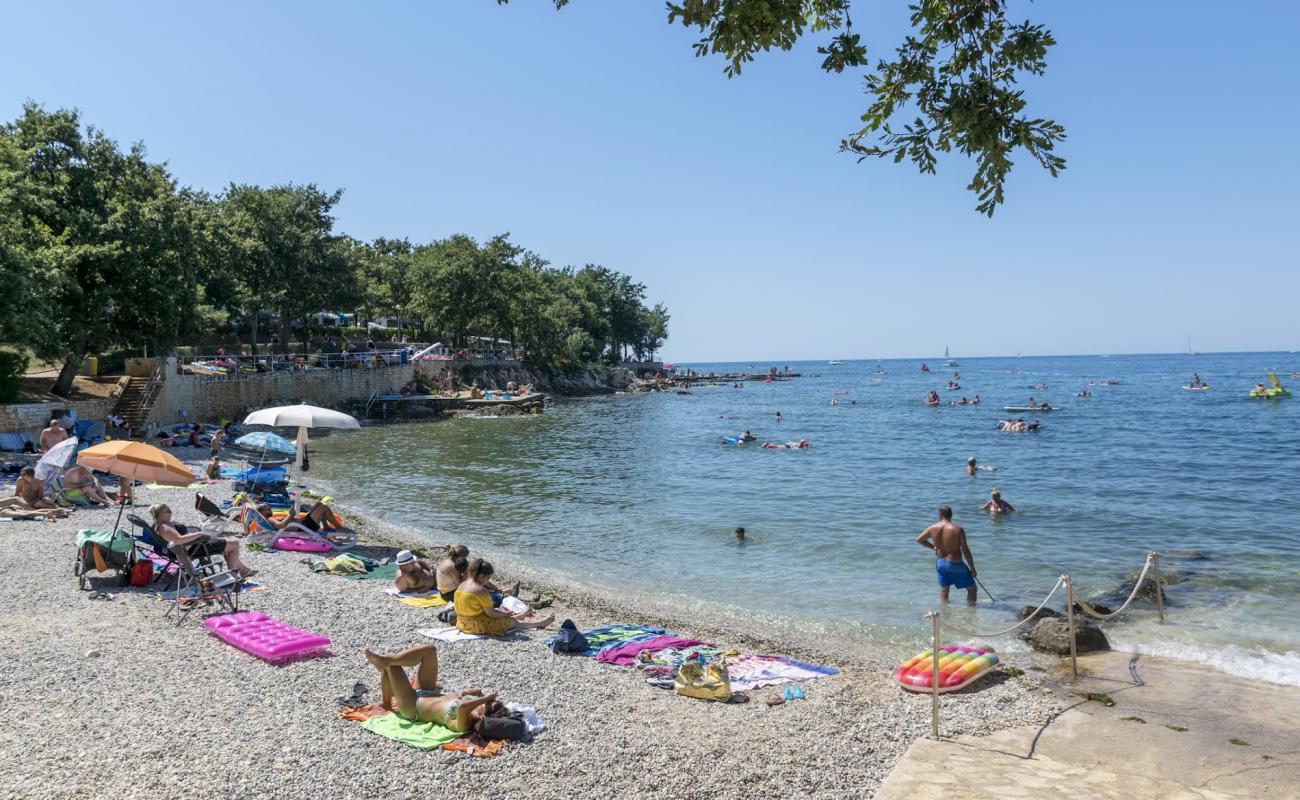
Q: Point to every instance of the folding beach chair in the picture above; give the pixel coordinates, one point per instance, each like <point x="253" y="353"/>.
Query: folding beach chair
<point x="153" y="543"/>
<point x="203" y="581"/>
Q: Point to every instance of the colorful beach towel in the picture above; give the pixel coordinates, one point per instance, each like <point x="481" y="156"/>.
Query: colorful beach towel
<point x="626" y="654"/>
<point x="613" y="635"/>
<point x="379" y="572"/>
<point x="748" y="671"/>
<point x="420" y="735"/>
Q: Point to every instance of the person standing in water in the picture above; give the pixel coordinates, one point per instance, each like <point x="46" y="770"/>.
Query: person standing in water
<point x="948" y="540"/>
<point x="996" y="505"/>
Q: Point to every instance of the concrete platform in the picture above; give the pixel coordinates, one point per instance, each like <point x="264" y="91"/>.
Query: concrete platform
<point x="1176" y="730"/>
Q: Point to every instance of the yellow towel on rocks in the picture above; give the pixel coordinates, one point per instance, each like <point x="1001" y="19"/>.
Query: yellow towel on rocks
<point x="423" y="602"/>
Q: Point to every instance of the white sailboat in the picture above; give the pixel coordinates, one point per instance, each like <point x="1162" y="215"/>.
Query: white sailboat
<point x="947" y="359"/>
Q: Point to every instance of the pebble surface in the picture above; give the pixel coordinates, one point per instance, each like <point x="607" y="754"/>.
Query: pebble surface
<point x="108" y="699"/>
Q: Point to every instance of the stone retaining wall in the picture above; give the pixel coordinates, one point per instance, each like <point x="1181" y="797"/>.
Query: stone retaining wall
<point x="197" y="398"/>
<point x="31" y="418"/>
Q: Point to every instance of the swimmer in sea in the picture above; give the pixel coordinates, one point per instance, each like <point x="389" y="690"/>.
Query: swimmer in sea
<point x="976" y="401"/>
<point x="740" y="534"/>
<point x="1033" y="426"/>
<point x="996" y="505"/>
<point x="1085" y="393"/>
<point x="1196" y="380"/>
<point x="971" y="466"/>
<point x="779" y="417"/>
<point x="1018" y="426"/>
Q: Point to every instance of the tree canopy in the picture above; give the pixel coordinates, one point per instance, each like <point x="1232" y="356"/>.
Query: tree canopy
<point x="101" y="250"/>
<point x="952" y="85"/>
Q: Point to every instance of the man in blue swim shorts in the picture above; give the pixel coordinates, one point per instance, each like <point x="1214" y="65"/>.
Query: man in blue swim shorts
<point x="948" y="540"/>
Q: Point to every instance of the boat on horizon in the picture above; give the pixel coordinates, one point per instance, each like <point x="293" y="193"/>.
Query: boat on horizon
<point x="835" y="362"/>
<point x="947" y="359"/>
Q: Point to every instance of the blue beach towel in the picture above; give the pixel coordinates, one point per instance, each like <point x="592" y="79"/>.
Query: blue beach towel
<point x="613" y="636"/>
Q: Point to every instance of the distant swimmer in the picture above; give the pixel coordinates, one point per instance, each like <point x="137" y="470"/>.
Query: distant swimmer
<point x="961" y="402"/>
<point x="747" y="437"/>
<point x="925" y="368"/>
<point x="834" y="402"/>
<point x="948" y="541"/>
<point x="740" y="534"/>
<point x="1196" y="381"/>
<point x="1033" y="426"/>
<point x="1085" y="393"/>
<point x="972" y="467"/>
<point x="779" y="417"/>
<point x="932" y="399"/>
<point x="996" y="505"/>
<point x="976" y="401"/>
<point x="802" y="444"/>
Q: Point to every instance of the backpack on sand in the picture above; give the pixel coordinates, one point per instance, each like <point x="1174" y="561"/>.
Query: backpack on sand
<point x="568" y="639"/>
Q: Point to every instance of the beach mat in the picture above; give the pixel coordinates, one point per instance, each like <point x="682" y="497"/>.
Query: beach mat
<point x="449" y="634"/>
<point x="612" y="635"/>
<point x="420" y="735"/>
<point x="381" y="572"/>
<point x="423" y="602"/>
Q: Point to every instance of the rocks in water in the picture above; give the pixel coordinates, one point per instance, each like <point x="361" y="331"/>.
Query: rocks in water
<point x="1052" y="635"/>
<point x="1043" y="613"/>
<point x="1100" y="608"/>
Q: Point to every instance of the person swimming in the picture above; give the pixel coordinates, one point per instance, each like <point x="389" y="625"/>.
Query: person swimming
<point x="740" y="534"/>
<point x="779" y="417"/>
<point x="996" y="505"/>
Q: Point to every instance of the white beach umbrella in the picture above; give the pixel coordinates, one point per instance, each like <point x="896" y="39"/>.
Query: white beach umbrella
<point x="56" y="458"/>
<point x="302" y="417"/>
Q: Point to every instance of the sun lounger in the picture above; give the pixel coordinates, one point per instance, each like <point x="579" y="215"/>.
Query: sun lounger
<point x="294" y="535"/>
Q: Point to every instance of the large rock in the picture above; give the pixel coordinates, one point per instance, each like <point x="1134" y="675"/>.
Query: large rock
<point x="1043" y="613"/>
<point x="1053" y="636"/>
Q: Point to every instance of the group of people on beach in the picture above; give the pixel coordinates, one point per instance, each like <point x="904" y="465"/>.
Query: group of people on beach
<point x="467" y="584"/>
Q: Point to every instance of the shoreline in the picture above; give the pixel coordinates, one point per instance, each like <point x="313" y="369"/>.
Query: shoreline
<point x="95" y="672"/>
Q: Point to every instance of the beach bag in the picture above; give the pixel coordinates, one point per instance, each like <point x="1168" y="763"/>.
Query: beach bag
<point x="142" y="572"/>
<point x="568" y="639"/>
<point x="704" y="681"/>
<point x="510" y="727"/>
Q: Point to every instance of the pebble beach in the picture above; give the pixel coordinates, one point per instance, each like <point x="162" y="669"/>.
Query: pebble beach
<point x="107" y="698"/>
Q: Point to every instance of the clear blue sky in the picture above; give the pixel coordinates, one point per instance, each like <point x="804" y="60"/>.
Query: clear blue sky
<point x="594" y="135"/>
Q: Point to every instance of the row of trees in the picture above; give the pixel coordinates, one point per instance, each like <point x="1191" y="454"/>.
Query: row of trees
<point x="103" y="250"/>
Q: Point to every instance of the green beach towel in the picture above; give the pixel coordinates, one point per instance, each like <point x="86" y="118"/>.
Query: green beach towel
<point x="384" y="571"/>
<point x="122" y="543"/>
<point x="421" y="735"/>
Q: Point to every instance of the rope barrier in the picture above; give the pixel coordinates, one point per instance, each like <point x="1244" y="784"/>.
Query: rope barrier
<point x="1027" y="619"/>
<point x="1087" y="609"/>
<point x="1064" y="580"/>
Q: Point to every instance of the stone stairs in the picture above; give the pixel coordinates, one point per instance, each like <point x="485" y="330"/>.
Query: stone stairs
<point x="134" y="405"/>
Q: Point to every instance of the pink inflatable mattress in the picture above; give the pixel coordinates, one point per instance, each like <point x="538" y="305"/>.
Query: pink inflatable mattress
<point x="256" y="633"/>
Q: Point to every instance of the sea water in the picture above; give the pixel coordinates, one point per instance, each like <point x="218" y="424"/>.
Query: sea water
<point x="635" y="494"/>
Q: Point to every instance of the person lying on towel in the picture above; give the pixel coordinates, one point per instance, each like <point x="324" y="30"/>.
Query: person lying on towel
<point x="419" y="700"/>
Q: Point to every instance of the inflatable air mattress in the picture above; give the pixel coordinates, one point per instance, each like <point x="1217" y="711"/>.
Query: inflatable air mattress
<point x="958" y="668"/>
<point x="257" y="634"/>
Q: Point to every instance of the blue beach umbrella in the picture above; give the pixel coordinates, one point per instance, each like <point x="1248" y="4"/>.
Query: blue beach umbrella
<point x="265" y="440"/>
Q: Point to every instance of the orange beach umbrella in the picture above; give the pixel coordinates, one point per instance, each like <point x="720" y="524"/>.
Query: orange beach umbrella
<point x="135" y="461"/>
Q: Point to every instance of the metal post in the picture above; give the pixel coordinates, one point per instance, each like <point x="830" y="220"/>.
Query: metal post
<point x="1069" y="616"/>
<point x="934" y="677"/>
<point x="1160" y="588"/>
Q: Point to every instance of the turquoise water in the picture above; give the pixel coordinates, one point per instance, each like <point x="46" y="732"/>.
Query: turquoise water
<point x="635" y="494"/>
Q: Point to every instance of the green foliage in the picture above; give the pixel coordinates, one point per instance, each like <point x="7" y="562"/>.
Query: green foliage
<point x="957" y="73"/>
<point x="97" y="240"/>
<point x="12" y="367"/>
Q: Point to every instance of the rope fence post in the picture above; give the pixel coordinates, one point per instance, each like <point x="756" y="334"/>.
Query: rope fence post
<point x="1069" y="616"/>
<point x="934" y="676"/>
<point x="1160" y="589"/>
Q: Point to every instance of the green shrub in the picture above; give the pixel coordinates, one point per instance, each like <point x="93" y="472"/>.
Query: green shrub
<point x="12" y="367"/>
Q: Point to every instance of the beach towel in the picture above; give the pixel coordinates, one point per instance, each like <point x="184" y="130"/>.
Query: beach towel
<point x="121" y="543"/>
<point x="170" y="594"/>
<point x="395" y="592"/>
<point x="667" y="662"/>
<point x="625" y="654"/>
<point x="749" y="671"/>
<point x="420" y="735"/>
<point x="340" y="565"/>
<point x="449" y="634"/>
<point x="423" y="602"/>
<point x="613" y="635"/>
<point x="362" y="713"/>
<point x="380" y="572"/>
<point x="476" y="746"/>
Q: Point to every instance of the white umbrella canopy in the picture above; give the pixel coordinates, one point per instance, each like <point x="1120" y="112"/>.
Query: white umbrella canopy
<point x="56" y="458"/>
<point x="302" y="417"/>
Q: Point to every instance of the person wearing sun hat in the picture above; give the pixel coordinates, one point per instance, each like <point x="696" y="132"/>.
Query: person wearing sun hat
<point x="414" y="575"/>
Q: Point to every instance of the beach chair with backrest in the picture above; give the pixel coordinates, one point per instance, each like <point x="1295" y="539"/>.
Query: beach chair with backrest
<point x="203" y="582"/>
<point x="294" y="535"/>
<point x="153" y="543"/>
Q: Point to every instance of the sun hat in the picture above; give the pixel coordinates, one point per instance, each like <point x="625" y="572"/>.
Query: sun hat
<point x="405" y="557"/>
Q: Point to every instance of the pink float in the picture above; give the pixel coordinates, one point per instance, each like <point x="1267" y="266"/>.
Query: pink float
<point x="257" y="634"/>
<point x="302" y="545"/>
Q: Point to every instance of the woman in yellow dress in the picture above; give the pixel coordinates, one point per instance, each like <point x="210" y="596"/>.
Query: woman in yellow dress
<point x="475" y="611"/>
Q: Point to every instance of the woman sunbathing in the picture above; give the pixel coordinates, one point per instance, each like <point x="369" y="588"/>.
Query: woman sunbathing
<point x="476" y="610"/>
<point x="418" y="700"/>
<point x="197" y="544"/>
<point x="451" y="571"/>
